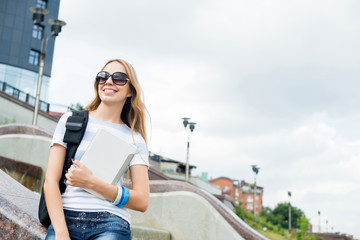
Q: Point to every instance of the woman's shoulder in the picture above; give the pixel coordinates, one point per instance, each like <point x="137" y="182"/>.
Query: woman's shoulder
<point x="64" y="117"/>
<point x="133" y="134"/>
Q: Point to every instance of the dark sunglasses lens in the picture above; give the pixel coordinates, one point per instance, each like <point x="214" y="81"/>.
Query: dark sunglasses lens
<point x="101" y="77"/>
<point x="119" y="78"/>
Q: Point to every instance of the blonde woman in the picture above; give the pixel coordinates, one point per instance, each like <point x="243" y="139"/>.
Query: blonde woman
<point x="77" y="214"/>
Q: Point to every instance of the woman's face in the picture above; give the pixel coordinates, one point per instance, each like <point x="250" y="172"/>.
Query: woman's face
<point x="111" y="93"/>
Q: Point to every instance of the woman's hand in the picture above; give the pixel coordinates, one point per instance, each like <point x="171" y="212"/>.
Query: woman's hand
<point x="79" y="175"/>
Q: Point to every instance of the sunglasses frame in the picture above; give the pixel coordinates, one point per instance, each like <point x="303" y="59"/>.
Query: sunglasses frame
<point x="115" y="81"/>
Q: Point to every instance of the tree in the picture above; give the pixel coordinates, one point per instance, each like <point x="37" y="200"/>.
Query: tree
<point x="304" y="224"/>
<point x="281" y="215"/>
<point x="243" y="214"/>
<point x="77" y="107"/>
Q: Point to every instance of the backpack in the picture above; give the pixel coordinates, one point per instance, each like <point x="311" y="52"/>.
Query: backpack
<point x="75" y="130"/>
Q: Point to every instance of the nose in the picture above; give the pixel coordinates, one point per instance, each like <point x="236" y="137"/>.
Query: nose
<point x="109" y="82"/>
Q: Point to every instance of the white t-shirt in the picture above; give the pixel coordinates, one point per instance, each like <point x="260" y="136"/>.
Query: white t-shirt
<point x="77" y="199"/>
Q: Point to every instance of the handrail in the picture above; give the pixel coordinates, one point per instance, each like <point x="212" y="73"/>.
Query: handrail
<point x="23" y="96"/>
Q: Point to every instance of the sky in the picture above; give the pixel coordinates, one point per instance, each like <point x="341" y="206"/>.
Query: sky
<point x="271" y="83"/>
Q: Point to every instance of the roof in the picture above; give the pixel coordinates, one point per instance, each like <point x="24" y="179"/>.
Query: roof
<point x="240" y="184"/>
<point x="159" y="158"/>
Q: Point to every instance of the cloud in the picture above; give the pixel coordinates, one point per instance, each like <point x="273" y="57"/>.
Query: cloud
<point x="272" y="83"/>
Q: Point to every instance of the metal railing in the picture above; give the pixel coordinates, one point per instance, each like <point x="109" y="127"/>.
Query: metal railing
<point x="22" y="96"/>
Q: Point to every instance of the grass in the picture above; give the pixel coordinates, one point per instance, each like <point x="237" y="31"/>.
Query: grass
<point x="274" y="235"/>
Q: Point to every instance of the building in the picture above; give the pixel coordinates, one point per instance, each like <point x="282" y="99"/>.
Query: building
<point x="241" y="192"/>
<point x="175" y="170"/>
<point x="168" y="165"/>
<point x="20" y="47"/>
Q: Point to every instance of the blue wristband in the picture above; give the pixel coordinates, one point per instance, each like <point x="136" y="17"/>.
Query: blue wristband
<point x="125" y="197"/>
<point x="118" y="197"/>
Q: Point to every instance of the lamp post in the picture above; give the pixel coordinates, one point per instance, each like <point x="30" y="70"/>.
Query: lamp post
<point x="289" y="193"/>
<point x="56" y="25"/>
<point x="256" y="171"/>
<point x="191" y="128"/>
<point x="327" y="230"/>
<point x="319" y="222"/>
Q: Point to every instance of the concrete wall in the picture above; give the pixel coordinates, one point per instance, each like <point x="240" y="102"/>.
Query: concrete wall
<point x="26" y="148"/>
<point x="11" y="109"/>
<point x="186" y="215"/>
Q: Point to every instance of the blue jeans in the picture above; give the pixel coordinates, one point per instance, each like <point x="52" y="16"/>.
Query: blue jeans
<point x="93" y="225"/>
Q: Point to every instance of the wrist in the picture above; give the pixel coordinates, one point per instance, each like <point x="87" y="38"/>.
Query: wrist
<point x="63" y="232"/>
<point x="118" y="196"/>
<point x="124" y="197"/>
<point x="92" y="183"/>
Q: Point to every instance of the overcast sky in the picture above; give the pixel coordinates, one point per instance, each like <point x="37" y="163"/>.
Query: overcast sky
<point x="272" y="83"/>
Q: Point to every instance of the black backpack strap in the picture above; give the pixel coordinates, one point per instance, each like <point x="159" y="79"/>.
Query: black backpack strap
<point x="75" y="130"/>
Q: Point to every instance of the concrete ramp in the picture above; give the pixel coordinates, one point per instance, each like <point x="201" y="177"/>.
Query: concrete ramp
<point x="188" y="212"/>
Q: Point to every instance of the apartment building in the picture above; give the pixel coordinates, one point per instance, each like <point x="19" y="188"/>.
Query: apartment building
<point x="241" y="192"/>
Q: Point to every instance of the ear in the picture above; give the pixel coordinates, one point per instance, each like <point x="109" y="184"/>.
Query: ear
<point x="129" y="94"/>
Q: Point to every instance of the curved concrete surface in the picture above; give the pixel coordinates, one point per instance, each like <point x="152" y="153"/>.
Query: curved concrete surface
<point x="26" y="148"/>
<point x="186" y="215"/>
<point x="26" y="143"/>
<point x="24" y="129"/>
<point x="161" y="186"/>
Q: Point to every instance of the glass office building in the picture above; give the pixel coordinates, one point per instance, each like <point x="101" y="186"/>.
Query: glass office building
<point x="20" y="45"/>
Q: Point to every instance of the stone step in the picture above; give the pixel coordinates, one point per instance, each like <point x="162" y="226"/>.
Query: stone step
<point x="145" y="233"/>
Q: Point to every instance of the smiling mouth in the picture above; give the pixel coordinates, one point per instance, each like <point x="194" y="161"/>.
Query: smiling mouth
<point x="109" y="91"/>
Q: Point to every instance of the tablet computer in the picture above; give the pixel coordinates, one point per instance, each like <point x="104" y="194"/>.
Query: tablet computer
<point x="108" y="157"/>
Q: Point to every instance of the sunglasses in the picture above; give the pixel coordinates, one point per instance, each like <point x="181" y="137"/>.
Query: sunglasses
<point x="118" y="78"/>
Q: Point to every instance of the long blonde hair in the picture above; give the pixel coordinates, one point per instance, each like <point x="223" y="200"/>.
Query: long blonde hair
<point x="133" y="112"/>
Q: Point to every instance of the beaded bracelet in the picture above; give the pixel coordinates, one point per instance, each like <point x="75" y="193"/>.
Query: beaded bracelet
<point x="118" y="196"/>
<point x="125" y="197"/>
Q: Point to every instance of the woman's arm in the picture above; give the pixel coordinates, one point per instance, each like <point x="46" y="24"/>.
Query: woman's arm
<point x="139" y="195"/>
<point x="80" y="176"/>
<point x="52" y="192"/>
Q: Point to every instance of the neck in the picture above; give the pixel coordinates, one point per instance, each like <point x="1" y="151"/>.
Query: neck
<point x="108" y="113"/>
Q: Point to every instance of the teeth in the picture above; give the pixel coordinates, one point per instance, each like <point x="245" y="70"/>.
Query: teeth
<point x="109" y="90"/>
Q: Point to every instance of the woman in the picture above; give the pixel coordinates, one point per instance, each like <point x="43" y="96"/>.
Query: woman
<point x="76" y="213"/>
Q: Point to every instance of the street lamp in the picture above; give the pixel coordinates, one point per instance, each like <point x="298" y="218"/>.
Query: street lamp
<point x="327" y="230"/>
<point x="191" y="128"/>
<point x="56" y="25"/>
<point x="319" y="222"/>
<point x="256" y="171"/>
<point x="289" y="193"/>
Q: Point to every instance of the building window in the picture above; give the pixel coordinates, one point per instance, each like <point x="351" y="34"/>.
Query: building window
<point x="250" y="206"/>
<point x="249" y="198"/>
<point x="34" y="57"/>
<point x="37" y="32"/>
<point x="41" y="4"/>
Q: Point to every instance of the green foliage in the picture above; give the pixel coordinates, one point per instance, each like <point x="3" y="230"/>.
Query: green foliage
<point x="261" y="221"/>
<point x="274" y="223"/>
<point x="304" y="224"/>
<point x="280" y="215"/>
<point x="77" y="107"/>
<point x="244" y="215"/>
<point x="8" y="121"/>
